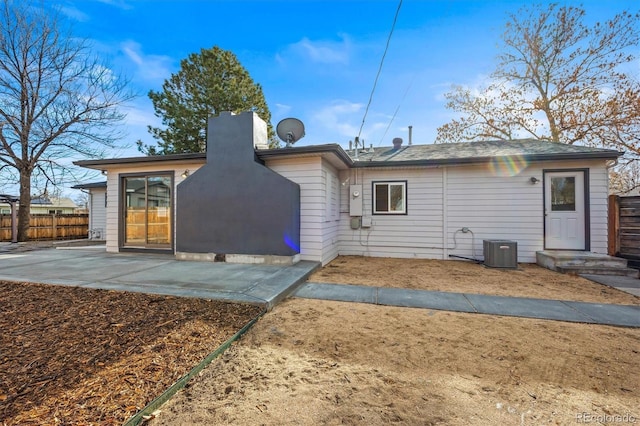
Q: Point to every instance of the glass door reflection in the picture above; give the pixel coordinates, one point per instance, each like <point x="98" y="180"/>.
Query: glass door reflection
<point x="147" y="211"/>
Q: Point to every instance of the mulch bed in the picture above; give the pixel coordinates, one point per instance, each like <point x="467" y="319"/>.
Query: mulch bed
<point x="71" y="355"/>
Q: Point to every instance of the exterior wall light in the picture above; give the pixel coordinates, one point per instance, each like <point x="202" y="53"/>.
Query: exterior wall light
<point x="185" y="174"/>
<point x="534" y="180"/>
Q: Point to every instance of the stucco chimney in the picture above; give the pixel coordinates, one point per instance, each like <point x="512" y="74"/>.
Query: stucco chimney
<point x="397" y="143"/>
<point x="233" y="137"/>
<point x="234" y="205"/>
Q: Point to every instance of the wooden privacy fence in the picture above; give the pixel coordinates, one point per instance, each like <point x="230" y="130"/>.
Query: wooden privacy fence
<point x="624" y="227"/>
<point x="49" y="227"/>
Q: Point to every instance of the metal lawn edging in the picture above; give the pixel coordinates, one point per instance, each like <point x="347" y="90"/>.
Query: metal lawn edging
<point x="181" y="383"/>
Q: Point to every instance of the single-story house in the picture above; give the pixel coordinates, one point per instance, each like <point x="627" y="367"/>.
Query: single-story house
<point x="248" y="203"/>
<point x="46" y="205"/>
<point x="97" y="208"/>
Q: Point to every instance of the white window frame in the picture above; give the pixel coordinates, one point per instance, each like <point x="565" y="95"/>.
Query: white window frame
<point x="374" y="186"/>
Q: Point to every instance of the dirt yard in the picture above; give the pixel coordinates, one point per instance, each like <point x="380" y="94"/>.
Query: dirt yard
<point x="80" y="356"/>
<point x="320" y="362"/>
<point x="529" y="280"/>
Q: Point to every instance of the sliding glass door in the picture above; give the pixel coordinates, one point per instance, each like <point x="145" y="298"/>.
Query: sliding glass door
<point x="147" y="207"/>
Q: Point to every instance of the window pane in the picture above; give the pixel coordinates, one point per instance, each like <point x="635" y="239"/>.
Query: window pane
<point x="397" y="198"/>
<point x="135" y="226"/>
<point x="563" y="194"/>
<point x="158" y="212"/>
<point x="382" y="198"/>
<point x="135" y="189"/>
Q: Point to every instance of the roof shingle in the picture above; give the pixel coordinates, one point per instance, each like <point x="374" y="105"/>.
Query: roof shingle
<point x="477" y="151"/>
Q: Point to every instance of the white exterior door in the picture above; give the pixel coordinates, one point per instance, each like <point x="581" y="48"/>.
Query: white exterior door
<point x="564" y="209"/>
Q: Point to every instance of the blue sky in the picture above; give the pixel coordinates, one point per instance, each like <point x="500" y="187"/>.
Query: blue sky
<point x="316" y="60"/>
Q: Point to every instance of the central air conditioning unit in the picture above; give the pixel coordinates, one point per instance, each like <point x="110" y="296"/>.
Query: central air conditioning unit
<point x="500" y="254"/>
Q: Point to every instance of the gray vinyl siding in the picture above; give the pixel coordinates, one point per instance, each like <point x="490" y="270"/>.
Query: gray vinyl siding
<point x="599" y="189"/>
<point x="331" y="226"/>
<point x="319" y="205"/>
<point x="98" y="211"/>
<point x="492" y="206"/>
<point x="441" y="201"/>
<point x="416" y="234"/>
<point x="307" y="172"/>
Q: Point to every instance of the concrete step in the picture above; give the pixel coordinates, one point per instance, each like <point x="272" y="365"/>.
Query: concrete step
<point x="557" y="259"/>
<point x="579" y="270"/>
<point x="581" y="262"/>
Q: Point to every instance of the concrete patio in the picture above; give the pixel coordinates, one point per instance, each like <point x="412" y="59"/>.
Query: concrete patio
<point x="92" y="267"/>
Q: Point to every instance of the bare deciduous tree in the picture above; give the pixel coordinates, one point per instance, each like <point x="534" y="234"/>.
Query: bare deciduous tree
<point x="57" y="100"/>
<point x="557" y="79"/>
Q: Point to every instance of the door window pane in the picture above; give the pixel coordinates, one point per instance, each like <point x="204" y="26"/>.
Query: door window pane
<point x="563" y="193"/>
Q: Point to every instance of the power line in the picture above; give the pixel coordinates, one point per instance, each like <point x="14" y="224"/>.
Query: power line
<point x="396" y="111"/>
<point x="375" y="83"/>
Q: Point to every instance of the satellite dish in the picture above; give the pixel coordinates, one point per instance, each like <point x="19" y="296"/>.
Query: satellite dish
<point x="290" y="130"/>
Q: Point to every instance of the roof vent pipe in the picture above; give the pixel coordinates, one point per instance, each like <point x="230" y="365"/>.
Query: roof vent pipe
<point x="356" y="142"/>
<point x="397" y="143"/>
<point x="410" y="134"/>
